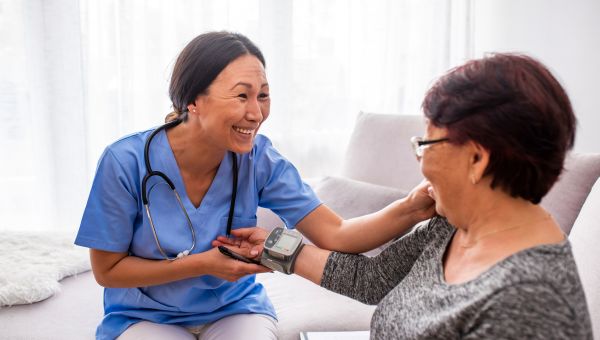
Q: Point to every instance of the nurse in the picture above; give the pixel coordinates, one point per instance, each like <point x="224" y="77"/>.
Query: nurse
<point x="150" y="245"/>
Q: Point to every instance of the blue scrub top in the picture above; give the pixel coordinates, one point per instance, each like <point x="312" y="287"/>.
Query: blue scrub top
<point x="115" y="220"/>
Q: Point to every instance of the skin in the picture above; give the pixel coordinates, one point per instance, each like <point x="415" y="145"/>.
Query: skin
<point x="491" y="225"/>
<point x="227" y="117"/>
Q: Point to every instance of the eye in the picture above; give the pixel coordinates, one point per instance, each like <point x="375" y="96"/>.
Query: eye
<point x="243" y="96"/>
<point x="263" y="96"/>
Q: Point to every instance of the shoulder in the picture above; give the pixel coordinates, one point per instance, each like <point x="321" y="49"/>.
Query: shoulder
<point x="263" y="149"/>
<point x="437" y="228"/>
<point x="124" y="157"/>
<point x="127" y="150"/>
<point x="541" y="283"/>
<point x="131" y="143"/>
<point x="552" y="264"/>
<point x="266" y="157"/>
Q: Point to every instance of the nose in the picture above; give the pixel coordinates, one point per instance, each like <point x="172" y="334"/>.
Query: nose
<point x="253" y="111"/>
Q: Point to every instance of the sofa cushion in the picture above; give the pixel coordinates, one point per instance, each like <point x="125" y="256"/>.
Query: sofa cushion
<point x="73" y="313"/>
<point x="379" y="150"/>
<point x="350" y="198"/>
<point x="567" y="196"/>
<point x="304" y="306"/>
<point x="584" y="238"/>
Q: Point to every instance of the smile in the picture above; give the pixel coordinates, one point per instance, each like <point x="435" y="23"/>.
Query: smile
<point x="244" y="131"/>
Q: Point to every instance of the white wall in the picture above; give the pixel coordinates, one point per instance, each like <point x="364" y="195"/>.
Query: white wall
<point x="564" y="35"/>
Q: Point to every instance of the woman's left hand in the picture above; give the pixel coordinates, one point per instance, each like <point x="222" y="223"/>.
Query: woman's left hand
<point x="247" y="241"/>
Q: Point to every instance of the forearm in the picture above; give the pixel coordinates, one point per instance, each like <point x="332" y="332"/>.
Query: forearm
<point x="132" y="271"/>
<point x="355" y="276"/>
<point x="311" y="262"/>
<point x="327" y="230"/>
<point x="367" y="232"/>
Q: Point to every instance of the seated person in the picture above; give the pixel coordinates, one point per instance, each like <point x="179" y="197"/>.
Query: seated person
<point x="493" y="264"/>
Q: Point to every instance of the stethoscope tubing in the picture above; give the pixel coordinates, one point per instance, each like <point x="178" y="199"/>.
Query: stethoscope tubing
<point x="150" y="173"/>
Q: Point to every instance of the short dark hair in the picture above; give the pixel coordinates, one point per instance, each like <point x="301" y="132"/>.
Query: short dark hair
<point x="512" y="106"/>
<point x="201" y="61"/>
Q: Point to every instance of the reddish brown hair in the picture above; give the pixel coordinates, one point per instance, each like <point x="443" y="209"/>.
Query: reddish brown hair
<point x="512" y="106"/>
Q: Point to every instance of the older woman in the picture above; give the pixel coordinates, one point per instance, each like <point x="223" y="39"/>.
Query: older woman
<point x="496" y="265"/>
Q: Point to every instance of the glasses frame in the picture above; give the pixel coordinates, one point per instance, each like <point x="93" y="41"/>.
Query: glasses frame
<point x="419" y="144"/>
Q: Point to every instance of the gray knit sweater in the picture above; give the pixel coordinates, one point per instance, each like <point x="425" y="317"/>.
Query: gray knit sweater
<point x="533" y="294"/>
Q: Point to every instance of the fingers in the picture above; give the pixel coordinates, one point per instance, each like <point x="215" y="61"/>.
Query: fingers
<point x="242" y="269"/>
<point x="229" y="240"/>
<point x="243" y="232"/>
<point x="256" y="250"/>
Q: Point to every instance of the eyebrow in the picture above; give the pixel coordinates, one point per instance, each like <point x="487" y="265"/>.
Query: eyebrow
<point x="248" y="85"/>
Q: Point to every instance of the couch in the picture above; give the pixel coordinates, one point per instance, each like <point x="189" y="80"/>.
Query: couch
<point x="379" y="167"/>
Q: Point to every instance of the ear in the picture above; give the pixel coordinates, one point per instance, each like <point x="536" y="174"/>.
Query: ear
<point x="195" y="107"/>
<point x="478" y="161"/>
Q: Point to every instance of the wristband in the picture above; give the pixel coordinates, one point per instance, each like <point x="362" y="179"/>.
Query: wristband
<point x="281" y="249"/>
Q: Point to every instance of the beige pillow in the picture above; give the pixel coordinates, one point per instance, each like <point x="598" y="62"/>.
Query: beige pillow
<point x="565" y="199"/>
<point x="350" y="198"/>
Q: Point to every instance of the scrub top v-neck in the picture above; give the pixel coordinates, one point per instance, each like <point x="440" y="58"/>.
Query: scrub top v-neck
<point x="114" y="221"/>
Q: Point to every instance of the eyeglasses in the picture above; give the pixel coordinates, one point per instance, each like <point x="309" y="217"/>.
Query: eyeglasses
<point x="419" y="144"/>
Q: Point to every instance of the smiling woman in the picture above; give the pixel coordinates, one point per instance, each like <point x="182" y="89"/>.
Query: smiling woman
<point x="220" y="95"/>
<point x="161" y="197"/>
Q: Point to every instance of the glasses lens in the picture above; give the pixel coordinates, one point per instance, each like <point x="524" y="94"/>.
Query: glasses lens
<point x="416" y="147"/>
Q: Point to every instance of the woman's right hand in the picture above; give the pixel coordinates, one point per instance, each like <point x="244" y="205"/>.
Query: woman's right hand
<point x="226" y="268"/>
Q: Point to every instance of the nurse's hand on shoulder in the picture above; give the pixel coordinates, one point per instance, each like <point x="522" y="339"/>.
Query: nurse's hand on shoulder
<point x="229" y="269"/>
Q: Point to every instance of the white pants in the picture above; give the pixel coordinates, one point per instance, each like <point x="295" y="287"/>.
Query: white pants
<point x="238" y="326"/>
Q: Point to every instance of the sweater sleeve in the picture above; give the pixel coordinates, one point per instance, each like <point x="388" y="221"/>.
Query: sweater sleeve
<point x="370" y="279"/>
<point x="526" y="311"/>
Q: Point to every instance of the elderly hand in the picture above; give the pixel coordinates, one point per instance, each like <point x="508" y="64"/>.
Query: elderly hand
<point x="245" y="241"/>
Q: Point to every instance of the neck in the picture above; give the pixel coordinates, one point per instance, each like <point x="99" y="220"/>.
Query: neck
<point x="193" y="153"/>
<point x="496" y="216"/>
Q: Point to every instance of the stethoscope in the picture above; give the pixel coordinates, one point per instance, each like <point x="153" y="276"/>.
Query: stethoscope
<point x="150" y="173"/>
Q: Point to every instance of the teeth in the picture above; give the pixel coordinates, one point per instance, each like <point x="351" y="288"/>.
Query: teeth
<point x="244" y="131"/>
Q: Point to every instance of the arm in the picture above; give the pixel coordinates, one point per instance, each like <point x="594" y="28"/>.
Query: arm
<point x="329" y="231"/>
<point x="359" y="277"/>
<point x="281" y="189"/>
<point x="119" y="270"/>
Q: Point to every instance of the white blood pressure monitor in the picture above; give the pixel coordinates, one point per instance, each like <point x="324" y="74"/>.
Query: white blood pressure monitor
<point x="281" y="249"/>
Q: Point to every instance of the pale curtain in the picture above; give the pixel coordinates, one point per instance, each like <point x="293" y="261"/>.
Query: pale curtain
<point x="77" y="74"/>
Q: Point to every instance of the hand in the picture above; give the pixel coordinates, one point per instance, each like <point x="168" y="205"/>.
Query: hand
<point x="245" y="241"/>
<point x="421" y="201"/>
<point x="229" y="269"/>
